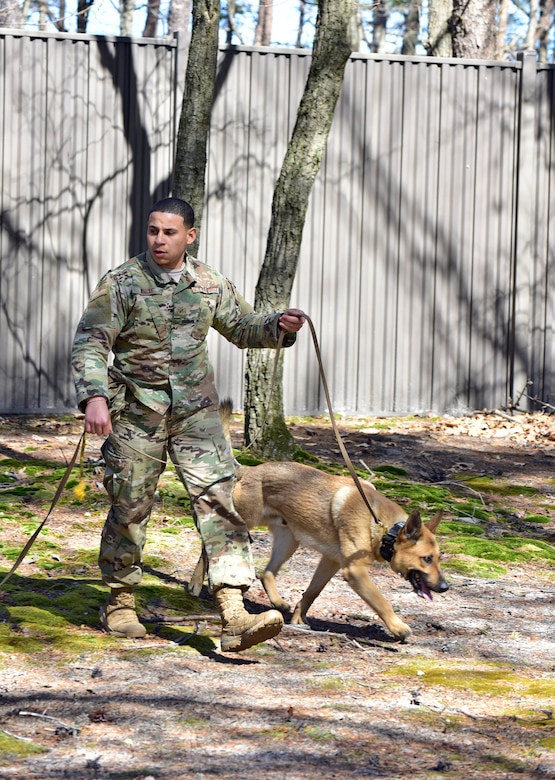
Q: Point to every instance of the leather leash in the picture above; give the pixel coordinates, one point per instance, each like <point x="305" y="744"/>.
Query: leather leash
<point x="79" y="449"/>
<point x="336" y="432"/>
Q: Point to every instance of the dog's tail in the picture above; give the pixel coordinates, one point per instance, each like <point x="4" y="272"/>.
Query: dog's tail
<point x="226" y="411"/>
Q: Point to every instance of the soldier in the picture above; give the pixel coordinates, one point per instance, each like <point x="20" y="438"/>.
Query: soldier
<point x="158" y="398"/>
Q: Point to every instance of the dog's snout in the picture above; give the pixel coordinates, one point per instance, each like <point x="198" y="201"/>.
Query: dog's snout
<point x="442" y="586"/>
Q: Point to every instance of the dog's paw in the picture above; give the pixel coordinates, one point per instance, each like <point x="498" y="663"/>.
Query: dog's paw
<point x="298" y="618"/>
<point x="400" y="630"/>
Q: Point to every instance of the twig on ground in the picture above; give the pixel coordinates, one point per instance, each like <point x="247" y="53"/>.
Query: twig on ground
<point x="181" y="618"/>
<point x="70" y="728"/>
<point x="15" y="736"/>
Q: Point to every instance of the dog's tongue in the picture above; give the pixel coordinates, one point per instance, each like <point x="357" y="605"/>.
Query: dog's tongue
<point x="425" y="592"/>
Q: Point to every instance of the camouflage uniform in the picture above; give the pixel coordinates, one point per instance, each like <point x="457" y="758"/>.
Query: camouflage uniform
<point x="163" y="400"/>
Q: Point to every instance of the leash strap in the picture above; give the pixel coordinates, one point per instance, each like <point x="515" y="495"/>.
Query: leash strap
<point x="339" y="440"/>
<point x="79" y="449"/>
<point x="337" y="434"/>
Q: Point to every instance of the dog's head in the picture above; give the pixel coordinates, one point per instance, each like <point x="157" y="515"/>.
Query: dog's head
<point x="416" y="556"/>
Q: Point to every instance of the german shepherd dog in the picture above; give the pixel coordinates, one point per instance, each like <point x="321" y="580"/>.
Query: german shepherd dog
<point x="303" y="505"/>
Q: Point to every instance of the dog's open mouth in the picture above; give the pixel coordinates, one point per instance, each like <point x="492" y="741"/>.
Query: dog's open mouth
<point x="420" y="588"/>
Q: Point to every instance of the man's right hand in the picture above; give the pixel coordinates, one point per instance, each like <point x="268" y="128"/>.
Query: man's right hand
<point x="97" y="416"/>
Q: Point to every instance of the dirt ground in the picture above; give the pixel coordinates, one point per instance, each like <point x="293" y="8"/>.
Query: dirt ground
<point x="470" y="694"/>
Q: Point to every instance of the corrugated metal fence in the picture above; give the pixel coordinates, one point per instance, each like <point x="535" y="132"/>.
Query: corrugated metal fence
<point x="426" y="262"/>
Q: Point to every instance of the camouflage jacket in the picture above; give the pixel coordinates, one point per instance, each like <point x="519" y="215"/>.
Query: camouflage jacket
<point x="156" y="330"/>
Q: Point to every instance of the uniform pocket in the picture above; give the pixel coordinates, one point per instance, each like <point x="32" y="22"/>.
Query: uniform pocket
<point x="118" y="469"/>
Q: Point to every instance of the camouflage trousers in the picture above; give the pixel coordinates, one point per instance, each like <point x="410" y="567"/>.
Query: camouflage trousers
<point x="135" y="455"/>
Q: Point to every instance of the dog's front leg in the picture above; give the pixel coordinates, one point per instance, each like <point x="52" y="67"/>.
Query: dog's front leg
<point x="356" y="574"/>
<point x="283" y="546"/>
<point x="323" y="574"/>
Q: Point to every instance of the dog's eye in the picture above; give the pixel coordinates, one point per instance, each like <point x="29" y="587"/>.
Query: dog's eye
<point x="428" y="559"/>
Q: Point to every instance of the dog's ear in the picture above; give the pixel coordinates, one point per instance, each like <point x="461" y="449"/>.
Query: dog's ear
<point x="434" y="522"/>
<point x="413" y="527"/>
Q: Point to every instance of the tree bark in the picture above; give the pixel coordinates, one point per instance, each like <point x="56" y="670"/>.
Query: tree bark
<point x="180" y="16"/>
<point x="83" y="10"/>
<point x="152" y="16"/>
<point x="300" y="28"/>
<point x="412" y="28"/>
<point x="500" y="45"/>
<point x="263" y="31"/>
<point x="126" y="9"/>
<point x="332" y="47"/>
<point x="189" y="176"/>
<point x="544" y="25"/>
<point x="439" y="32"/>
<point x="473" y="29"/>
<point x="11" y="14"/>
<point x="379" y="26"/>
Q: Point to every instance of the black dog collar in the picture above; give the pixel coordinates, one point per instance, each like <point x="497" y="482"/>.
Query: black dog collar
<point x="388" y="541"/>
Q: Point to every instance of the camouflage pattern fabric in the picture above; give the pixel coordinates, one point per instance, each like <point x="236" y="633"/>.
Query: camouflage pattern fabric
<point x="163" y="401"/>
<point x="157" y="331"/>
<point x="196" y="445"/>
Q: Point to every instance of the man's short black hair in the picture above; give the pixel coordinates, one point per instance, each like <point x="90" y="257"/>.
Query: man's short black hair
<point x="175" y="206"/>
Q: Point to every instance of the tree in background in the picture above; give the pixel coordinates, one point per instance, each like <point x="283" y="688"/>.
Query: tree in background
<point x="263" y="31"/>
<point x="473" y="25"/>
<point x="189" y="176"/>
<point x="332" y="47"/>
<point x="493" y="29"/>
<point x="438" y="43"/>
<point x="179" y="19"/>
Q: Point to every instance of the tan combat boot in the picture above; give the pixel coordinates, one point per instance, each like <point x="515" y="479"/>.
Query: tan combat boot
<point x="118" y="616"/>
<point x="240" y="629"/>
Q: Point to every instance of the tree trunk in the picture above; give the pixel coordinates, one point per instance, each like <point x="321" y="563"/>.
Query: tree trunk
<point x="500" y="45"/>
<point x="473" y="29"/>
<point x="180" y="16"/>
<point x="126" y="9"/>
<point x="152" y="16"/>
<point x="189" y="174"/>
<point x="544" y="25"/>
<point x="60" y="21"/>
<point x="332" y="47"/>
<point x="379" y="26"/>
<point x="11" y="14"/>
<point x="533" y="7"/>
<point x="439" y="33"/>
<point x="300" y="28"/>
<point x="412" y="28"/>
<point x="263" y="31"/>
<point x="83" y="10"/>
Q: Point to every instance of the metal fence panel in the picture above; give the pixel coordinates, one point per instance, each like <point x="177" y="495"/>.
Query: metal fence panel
<point x="87" y="138"/>
<point x="427" y="254"/>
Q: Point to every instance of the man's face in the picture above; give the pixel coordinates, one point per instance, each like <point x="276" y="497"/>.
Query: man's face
<point x="168" y="238"/>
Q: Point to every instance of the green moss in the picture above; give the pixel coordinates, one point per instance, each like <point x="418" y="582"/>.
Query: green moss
<point x="10" y="746"/>
<point x="396" y="471"/>
<point x="460" y="528"/>
<point x="301" y="456"/>
<point x="489" y="485"/>
<point x="536" y="519"/>
<point x="317" y="733"/>
<point x="246" y="459"/>
<point x="475" y="568"/>
<point x="490" y="679"/>
<point x="509" y="549"/>
<point x="474" y="509"/>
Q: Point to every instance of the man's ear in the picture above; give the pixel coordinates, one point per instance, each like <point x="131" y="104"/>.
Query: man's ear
<point x="191" y="235"/>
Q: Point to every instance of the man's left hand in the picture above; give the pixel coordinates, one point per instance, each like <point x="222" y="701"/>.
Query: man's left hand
<point x="292" y="320"/>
